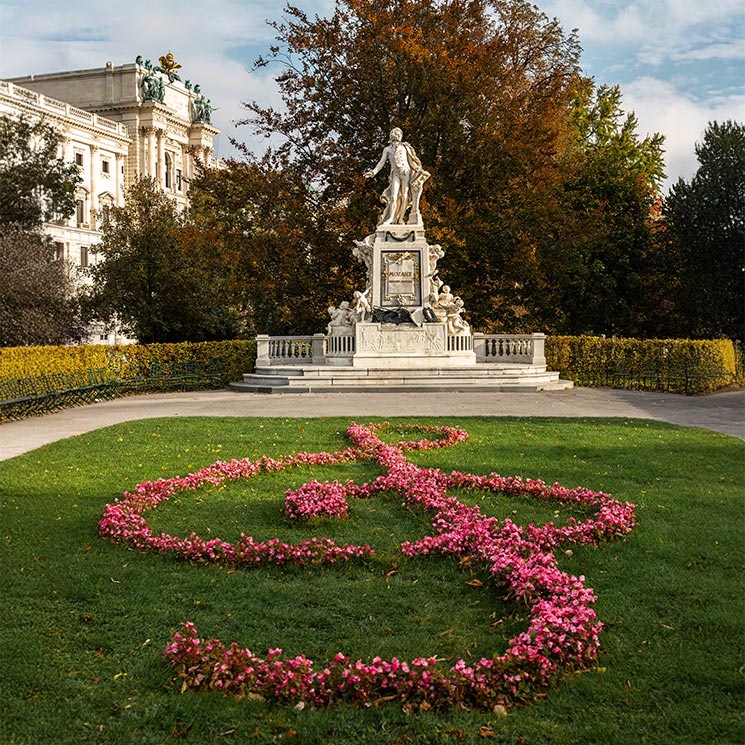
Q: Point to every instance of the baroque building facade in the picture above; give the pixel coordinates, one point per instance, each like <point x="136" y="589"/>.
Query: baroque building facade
<point x="118" y="123"/>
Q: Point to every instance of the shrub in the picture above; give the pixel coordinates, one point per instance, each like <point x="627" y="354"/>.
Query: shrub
<point x="126" y="362"/>
<point x="676" y="365"/>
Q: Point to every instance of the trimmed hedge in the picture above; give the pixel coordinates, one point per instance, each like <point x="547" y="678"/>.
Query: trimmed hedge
<point x="127" y="362"/>
<point x="676" y="365"/>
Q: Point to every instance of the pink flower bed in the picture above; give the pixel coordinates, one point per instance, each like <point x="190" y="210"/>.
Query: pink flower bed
<point x="562" y="633"/>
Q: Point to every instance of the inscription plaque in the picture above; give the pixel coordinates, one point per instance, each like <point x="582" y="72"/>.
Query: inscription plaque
<point x="400" y="275"/>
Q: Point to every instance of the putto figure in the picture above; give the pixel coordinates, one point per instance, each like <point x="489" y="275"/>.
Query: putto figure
<point x="406" y="181"/>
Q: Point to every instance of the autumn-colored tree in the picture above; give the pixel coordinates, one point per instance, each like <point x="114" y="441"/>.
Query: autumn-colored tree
<point x="278" y="241"/>
<point x="482" y="88"/>
<point x="35" y="183"/>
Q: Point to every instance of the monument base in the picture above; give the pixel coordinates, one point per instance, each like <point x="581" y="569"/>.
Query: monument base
<point x="389" y="346"/>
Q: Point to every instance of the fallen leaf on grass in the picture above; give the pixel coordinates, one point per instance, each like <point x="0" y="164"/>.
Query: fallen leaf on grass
<point x="475" y="583"/>
<point x="181" y="733"/>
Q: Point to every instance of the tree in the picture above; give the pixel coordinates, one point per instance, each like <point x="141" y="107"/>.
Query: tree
<point x="705" y="224"/>
<point x="285" y="264"/>
<point x="596" y="261"/>
<point x="483" y="88"/>
<point x="158" y="274"/>
<point x="35" y="184"/>
<point x="37" y="298"/>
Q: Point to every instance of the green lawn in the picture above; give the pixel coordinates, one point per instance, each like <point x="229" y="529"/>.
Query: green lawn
<point x="84" y="622"/>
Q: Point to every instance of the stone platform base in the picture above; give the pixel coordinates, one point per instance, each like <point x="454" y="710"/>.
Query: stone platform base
<point x="496" y="377"/>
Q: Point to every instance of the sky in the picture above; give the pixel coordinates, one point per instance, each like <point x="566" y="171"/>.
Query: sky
<point x="680" y="63"/>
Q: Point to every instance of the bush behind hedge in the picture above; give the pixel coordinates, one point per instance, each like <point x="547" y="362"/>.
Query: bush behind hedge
<point x="676" y="365"/>
<point x="125" y="362"/>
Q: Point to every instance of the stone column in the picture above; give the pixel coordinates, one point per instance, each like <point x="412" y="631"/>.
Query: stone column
<point x="479" y="346"/>
<point x="262" y="350"/>
<point x="539" y="345"/>
<point x="319" y="349"/>
<point x="117" y="180"/>
<point x="67" y="152"/>
<point x="94" y="186"/>
<point x="160" y="172"/>
<point x="150" y="149"/>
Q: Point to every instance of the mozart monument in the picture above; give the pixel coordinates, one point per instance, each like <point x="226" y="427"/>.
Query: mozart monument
<point x="404" y="329"/>
<point x="405" y="315"/>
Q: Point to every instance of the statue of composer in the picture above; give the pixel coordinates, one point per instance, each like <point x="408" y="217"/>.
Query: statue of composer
<point x="406" y="181"/>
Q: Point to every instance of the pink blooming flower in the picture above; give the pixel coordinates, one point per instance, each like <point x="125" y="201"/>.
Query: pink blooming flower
<point x="562" y="633"/>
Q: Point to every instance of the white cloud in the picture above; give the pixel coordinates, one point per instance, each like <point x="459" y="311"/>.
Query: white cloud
<point x="731" y="50"/>
<point x="639" y="43"/>
<point x="661" y="107"/>
<point x="39" y="37"/>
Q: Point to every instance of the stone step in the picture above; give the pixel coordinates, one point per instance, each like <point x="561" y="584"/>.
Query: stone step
<point x="353" y="373"/>
<point x="426" y="380"/>
<point x="337" y="379"/>
<point x="413" y="387"/>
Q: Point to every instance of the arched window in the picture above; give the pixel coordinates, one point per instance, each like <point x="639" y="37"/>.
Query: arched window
<point x="169" y="167"/>
<point x="82" y="208"/>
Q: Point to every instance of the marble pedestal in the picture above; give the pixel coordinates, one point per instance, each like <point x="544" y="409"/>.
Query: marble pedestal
<point x="389" y="346"/>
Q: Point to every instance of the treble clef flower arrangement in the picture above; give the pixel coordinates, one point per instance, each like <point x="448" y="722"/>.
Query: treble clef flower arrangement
<point x="562" y="632"/>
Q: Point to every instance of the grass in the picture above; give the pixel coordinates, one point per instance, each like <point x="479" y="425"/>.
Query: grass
<point x="84" y="622"/>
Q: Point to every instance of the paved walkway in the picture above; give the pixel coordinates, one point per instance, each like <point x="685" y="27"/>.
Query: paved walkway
<point x="721" y="412"/>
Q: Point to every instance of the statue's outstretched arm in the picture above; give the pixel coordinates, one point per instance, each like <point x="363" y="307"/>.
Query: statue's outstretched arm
<point x="381" y="163"/>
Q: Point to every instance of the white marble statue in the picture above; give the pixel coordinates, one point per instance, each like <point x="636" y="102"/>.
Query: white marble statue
<point x="444" y="301"/>
<point x="456" y="323"/>
<point x="435" y="254"/>
<point x="361" y="305"/>
<point x="363" y="251"/>
<point x="406" y="181"/>
<point x="342" y="317"/>
<point x="448" y="309"/>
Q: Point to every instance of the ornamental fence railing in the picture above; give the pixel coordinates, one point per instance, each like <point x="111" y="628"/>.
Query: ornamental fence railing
<point x="314" y="350"/>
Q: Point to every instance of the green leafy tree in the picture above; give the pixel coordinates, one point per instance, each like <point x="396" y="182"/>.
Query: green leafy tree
<point x="38" y="305"/>
<point x="36" y="185"/>
<point x="597" y="259"/>
<point x="159" y="275"/>
<point x="705" y="227"/>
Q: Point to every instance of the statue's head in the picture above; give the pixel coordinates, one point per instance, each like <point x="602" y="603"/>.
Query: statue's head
<point x="396" y="134"/>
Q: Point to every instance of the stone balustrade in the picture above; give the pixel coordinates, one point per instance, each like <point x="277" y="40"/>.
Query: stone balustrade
<point x="59" y="108"/>
<point x="461" y="343"/>
<point x="523" y="348"/>
<point x="340" y="346"/>
<point x="315" y="349"/>
<point x="284" y="350"/>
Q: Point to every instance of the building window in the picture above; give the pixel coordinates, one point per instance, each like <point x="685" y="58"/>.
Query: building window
<point x="178" y="179"/>
<point x="84" y="256"/>
<point x="80" y="212"/>
<point x="59" y="251"/>
<point x="105" y="167"/>
<point x="169" y="163"/>
<point x="78" y="159"/>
